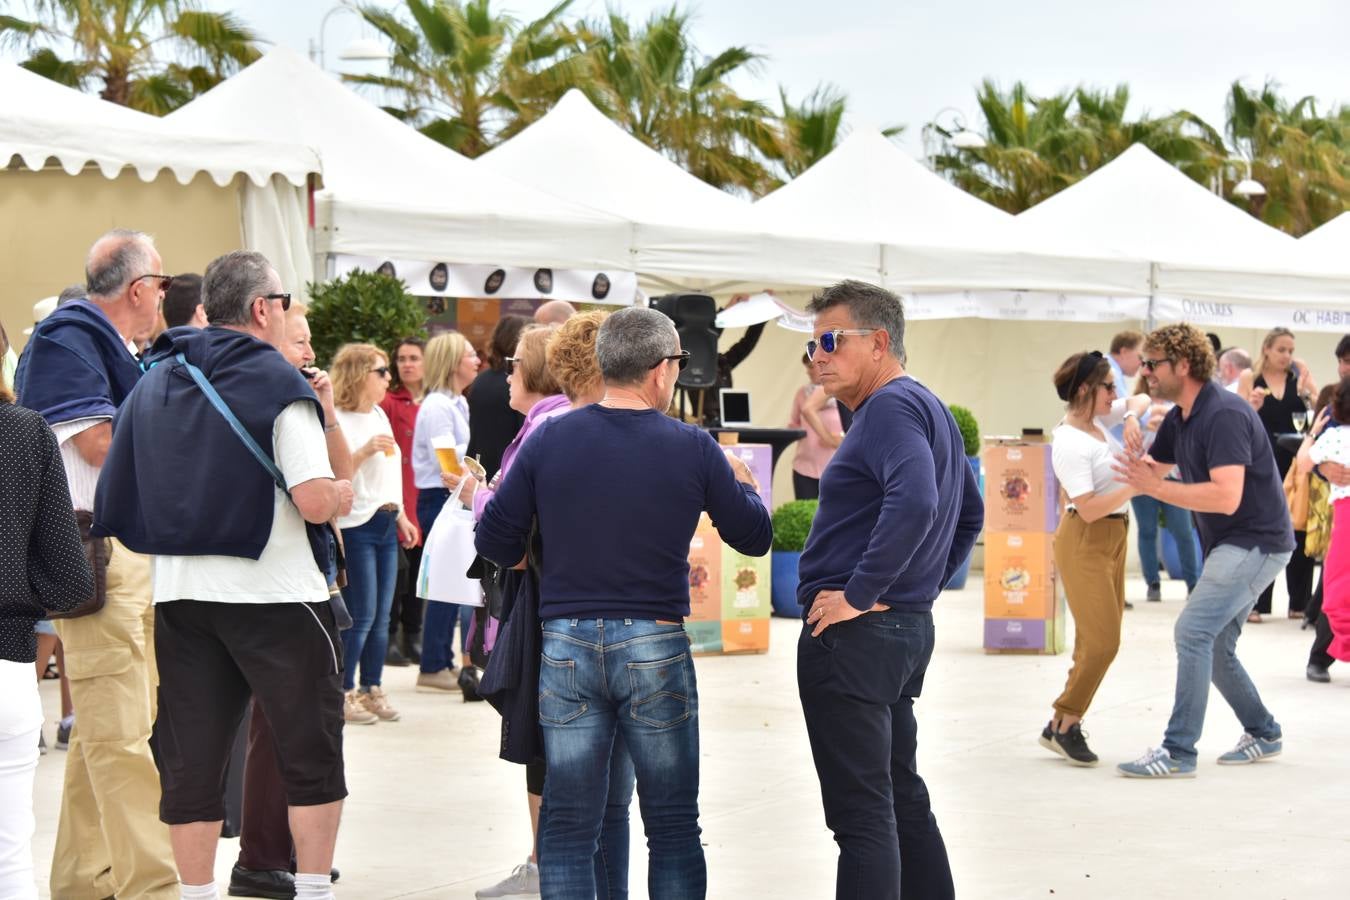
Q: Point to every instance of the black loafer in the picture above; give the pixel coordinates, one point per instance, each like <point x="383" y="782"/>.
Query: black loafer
<point x="468" y="684"/>
<point x="1318" y="673"/>
<point x="275" y="884"/>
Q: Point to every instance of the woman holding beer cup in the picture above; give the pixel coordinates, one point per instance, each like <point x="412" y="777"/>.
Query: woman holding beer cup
<point x="440" y="436"/>
<point x="373" y="529"/>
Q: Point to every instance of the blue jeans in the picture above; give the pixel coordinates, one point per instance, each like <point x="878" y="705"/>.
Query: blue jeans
<point x="438" y="634"/>
<point x="611" y="855"/>
<point x="1179" y="525"/>
<point x="372" y="570"/>
<point x="858" y="682"/>
<point x="1206" y="637"/>
<point x="600" y="679"/>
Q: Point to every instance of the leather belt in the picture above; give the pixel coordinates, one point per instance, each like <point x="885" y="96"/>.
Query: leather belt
<point x="389" y="508"/>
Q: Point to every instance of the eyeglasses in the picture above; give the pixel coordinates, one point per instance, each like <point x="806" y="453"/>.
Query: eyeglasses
<point x="829" y="341"/>
<point x="283" y="297"/>
<point x="382" y="371"/>
<point x="682" y="356"/>
<point x="164" y="280"/>
<point x="510" y="365"/>
<point x="1152" y="364"/>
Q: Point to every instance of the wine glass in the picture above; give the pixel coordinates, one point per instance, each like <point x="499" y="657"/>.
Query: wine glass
<point x="1301" y="421"/>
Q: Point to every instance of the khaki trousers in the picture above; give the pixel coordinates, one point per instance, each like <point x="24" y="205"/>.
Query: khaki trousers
<point x="1090" y="559"/>
<point x="110" y="840"/>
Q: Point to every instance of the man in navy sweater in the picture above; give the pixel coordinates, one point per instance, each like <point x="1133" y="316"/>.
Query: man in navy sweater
<point x="899" y="512"/>
<point x="617" y="489"/>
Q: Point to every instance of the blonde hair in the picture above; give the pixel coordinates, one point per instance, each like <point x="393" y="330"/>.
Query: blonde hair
<point x="532" y="360"/>
<point x="1269" y="341"/>
<point x="352" y="364"/>
<point x="571" y="355"/>
<point x="441" y="360"/>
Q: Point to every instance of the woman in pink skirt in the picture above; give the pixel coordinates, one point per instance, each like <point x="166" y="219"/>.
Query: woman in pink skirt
<point x="1333" y="445"/>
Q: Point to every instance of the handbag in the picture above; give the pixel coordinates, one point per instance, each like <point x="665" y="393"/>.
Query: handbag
<point x="97" y="552"/>
<point x="324" y="541"/>
<point x="1296" y="496"/>
<point x="1320" y="514"/>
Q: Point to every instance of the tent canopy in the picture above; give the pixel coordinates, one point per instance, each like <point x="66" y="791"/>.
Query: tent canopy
<point x="44" y="120"/>
<point x="390" y="191"/>
<point x="685" y="232"/>
<point x="936" y="237"/>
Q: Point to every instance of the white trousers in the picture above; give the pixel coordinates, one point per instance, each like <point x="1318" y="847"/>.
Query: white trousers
<point x="20" y="725"/>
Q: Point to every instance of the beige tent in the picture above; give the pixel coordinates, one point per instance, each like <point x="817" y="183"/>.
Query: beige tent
<point x="77" y="166"/>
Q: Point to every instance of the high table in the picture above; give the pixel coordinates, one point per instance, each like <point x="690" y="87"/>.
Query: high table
<point x="779" y="439"/>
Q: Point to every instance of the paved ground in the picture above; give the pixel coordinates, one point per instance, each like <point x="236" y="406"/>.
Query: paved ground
<point x="434" y="814"/>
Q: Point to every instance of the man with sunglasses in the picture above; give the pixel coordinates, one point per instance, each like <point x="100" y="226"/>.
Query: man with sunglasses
<point x="1230" y="481"/>
<point x="78" y="368"/>
<point x="899" y="512"/>
<point x="200" y="452"/>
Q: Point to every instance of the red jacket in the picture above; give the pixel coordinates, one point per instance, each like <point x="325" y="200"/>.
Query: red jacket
<point x="399" y="406"/>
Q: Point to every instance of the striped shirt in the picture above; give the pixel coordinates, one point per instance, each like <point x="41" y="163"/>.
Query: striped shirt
<point x="82" y="477"/>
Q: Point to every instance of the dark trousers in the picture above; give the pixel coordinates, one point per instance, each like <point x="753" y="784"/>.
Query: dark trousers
<point x="265" y="839"/>
<point x="804" y="487"/>
<point x="1298" y="579"/>
<point x="858" y="681"/>
<point x="407" y="607"/>
<point x="1319" y="656"/>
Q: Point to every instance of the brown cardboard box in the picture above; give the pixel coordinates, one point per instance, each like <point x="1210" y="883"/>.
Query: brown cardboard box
<point x="705" y="573"/>
<point x="1021" y="491"/>
<point x="745" y="636"/>
<point x="1019" y="575"/>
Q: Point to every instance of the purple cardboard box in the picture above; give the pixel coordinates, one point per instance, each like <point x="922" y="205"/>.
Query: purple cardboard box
<point x="1014" y="634"/>
<point x="759" y="457"/>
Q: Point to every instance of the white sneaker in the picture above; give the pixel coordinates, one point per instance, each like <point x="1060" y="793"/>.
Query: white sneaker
<point x="354" y="710"/>
<point x="521" y="884"/>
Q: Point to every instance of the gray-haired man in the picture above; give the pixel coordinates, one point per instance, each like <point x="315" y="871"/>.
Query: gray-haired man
<point x="239" y="586"/>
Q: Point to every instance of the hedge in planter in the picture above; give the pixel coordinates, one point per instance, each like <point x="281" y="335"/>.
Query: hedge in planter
<point x="970" y="429"/>
<point x="363" y="307"/>
<point x="791" y="524"/>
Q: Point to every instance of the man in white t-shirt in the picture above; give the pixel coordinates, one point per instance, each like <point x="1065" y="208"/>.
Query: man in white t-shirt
<point x="240" y="587"/>
<point x="1232" y="363"/>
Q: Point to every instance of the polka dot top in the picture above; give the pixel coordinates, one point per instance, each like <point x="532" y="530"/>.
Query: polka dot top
<point x="42" y="563"/>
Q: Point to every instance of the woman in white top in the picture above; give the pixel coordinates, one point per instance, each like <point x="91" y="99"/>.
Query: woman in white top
<point x="449" y="366"/>
<point x="371" y="532"/>
<point x="1090" y="541"/>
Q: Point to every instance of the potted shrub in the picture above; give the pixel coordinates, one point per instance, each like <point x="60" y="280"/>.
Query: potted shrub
<point x="970" y="440"/>
<point x="791" y="524"/>
<point x="363" y="307"/>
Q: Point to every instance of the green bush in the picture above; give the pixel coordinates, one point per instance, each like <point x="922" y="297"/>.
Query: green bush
<point x="792" y="523"/>
<point x="970" y="429"/>
<point x="363" y="307"/>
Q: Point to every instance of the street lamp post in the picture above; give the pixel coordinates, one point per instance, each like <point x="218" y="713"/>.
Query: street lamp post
<point x="359" y="49"/>
<point x="961" y="138"/>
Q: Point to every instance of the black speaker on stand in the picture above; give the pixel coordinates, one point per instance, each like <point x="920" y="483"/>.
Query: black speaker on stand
<point x="693" y="315"/>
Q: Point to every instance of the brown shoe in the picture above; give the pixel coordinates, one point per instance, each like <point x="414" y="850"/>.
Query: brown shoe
<point x="377" y="702"/>
<point x="354" y="710"/>
<point x="442" y="682"/>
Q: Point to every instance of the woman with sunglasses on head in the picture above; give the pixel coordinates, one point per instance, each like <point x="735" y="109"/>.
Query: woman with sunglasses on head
<point x="1091" y="538"/>
<point x="449" y="365"/>
<point x="373" y="529"/>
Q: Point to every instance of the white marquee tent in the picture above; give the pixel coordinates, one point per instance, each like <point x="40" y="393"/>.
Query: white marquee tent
<point x="686" y="233"/>
<point x="1212" y="263"/>
<point x="950" y="253"/>
<point x="389" y="191"/>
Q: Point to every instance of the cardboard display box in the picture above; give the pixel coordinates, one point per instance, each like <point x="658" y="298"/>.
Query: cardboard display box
<point x="746" y="636"/>
<point x="759" y="457"/>
<point x="1021" y="492"/>
<point x="705" y="637"/>
<point x="745" y="586"/>
<point x="729" y="596"/>
<point x="1046" y="636"/>
<point x="1019" y="575"/>
<point x="705" y="573"/>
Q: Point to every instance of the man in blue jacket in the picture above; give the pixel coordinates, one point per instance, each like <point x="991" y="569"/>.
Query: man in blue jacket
<point x="899" y="512"/>
<point x="78" y="368"/>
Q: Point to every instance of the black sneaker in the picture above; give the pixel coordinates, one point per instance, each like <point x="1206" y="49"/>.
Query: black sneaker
<point x="1047" y="740"/>
<point x="1154" y="593"/>
<point x="1073" y="745"/>
<point x="1318" y="673"/>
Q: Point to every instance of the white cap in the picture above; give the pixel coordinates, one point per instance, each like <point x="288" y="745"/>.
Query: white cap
<point x="41" y="310"/>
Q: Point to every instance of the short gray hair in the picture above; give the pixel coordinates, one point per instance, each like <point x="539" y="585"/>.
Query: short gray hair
<point x="108" y="270"/>
<point x="231" y="283"/>
<point x="630" y="341"/>
<point x="74" y="292"/>
<point x="869" y="306"/>
<point x="1237" y="356"/>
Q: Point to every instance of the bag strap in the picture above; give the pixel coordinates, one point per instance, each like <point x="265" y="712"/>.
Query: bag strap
<point x="235" y="425"/>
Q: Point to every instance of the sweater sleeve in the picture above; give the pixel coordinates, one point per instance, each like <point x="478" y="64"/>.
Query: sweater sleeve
<point x="59" y="574"/>
<point x="969" y="522"/>
<point x="736" y="509"/>
<point x="504" y="530"/>
<point x="902" y="461"/>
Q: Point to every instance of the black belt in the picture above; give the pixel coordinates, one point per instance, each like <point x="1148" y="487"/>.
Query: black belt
<point x="1124" y="516"/>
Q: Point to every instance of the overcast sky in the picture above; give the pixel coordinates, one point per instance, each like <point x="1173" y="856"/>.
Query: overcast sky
<point x="901" y="61"/>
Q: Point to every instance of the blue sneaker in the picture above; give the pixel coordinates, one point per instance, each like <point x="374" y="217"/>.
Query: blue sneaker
<point x="1157" y="763"/>
<point x="1251" y="749"/>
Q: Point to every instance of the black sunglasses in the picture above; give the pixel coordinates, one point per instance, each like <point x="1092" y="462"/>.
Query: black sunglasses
<point x="1152" y="364"/>
<point x="283" y="297"/>
<point x="682" y="356"/>
<point x="510" y="365"/>
<point x="382" y="371"/>
<point x="164" y="280"/>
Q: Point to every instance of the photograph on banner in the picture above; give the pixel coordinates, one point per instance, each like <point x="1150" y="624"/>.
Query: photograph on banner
<point x="441" y="279"/>
<point x="1030" y="306"/>
<point x="1223" y="313"/>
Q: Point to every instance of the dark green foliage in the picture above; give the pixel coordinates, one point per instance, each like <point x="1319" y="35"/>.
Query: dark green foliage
<point x="363" y="307"/>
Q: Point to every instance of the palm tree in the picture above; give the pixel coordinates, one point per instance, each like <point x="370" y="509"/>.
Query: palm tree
<point x="467" y="75"/>
<point x="656" y="84"/>
<point x="1298" y="156"/>
<point x="115" y="43"/>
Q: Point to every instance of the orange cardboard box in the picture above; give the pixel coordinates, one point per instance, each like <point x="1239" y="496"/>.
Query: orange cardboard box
<point x="745" y="635"/>
<point x="1019" y="575"/>
<point x="1021" y="492"/>
<point x="705" y="573"/>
